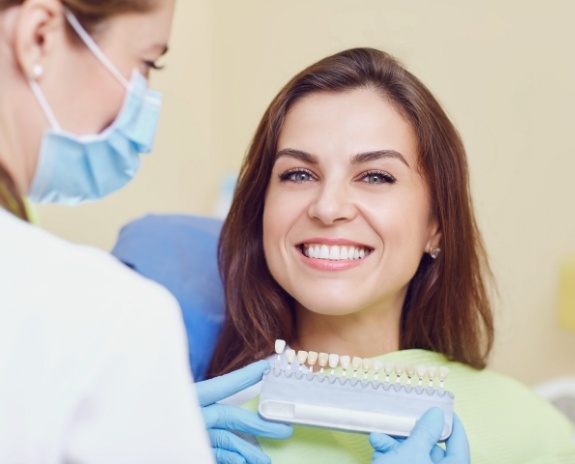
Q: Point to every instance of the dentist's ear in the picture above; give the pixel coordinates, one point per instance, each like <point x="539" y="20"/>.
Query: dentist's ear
<point x="39" y="26"/>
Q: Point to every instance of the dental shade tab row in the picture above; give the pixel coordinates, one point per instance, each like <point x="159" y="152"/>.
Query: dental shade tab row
<point x="364" y="396"/>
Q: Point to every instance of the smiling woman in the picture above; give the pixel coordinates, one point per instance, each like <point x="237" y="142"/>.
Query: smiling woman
<point x="352" y="201"/>
<point x="352" y="231"/>
<point x="329" y="126"/>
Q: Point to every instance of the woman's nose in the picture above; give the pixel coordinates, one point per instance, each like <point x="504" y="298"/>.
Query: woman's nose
<point x="332" y="204"/>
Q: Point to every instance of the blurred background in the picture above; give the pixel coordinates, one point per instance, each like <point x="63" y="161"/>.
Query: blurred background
<point x="504" y="72"/>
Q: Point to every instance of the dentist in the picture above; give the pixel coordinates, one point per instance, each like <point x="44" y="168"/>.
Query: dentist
<point x="93" y="358"/>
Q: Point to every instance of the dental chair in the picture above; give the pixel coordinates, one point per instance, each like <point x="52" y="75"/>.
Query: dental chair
<point x="180" y="253"/>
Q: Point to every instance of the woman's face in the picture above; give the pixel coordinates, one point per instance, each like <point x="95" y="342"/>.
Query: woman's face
<point x="347" y="216"/>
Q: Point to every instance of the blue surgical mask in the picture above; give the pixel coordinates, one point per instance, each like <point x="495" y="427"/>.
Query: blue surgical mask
<point x="72" y="168"/>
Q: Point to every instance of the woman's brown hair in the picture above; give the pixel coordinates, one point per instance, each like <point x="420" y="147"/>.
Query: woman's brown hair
<point x="90" y="13"/>
<point x="446" y="309"/>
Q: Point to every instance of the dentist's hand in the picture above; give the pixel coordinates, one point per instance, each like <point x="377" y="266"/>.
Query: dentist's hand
<point x="420" y="447"/>
<point x="221" y="419"/>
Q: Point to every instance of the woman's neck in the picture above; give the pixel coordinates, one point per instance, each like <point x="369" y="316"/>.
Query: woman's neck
<point x="364" y="334"/>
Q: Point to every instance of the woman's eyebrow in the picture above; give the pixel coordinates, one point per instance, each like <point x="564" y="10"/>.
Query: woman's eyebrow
<point x="378" y="154"/>
<point x="297" y="154"/>
<point x="357" y="159"/>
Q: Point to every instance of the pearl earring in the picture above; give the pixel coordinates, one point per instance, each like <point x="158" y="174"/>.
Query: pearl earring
<point x="434" y="252"/>
<point x="37" y="70"/>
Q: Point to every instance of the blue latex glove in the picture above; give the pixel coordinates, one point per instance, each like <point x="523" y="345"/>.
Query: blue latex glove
<point x="421" y="446"/>
<point x="221" y="419"/>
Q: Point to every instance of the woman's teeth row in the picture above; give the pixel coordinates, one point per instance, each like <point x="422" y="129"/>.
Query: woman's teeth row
<point x="334" y="252"/>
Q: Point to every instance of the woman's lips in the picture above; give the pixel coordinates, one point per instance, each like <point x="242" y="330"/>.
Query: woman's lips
<point x="333" y="257"/>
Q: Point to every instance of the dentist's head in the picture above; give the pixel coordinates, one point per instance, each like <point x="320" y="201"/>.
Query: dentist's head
<point x="76" y="109"/>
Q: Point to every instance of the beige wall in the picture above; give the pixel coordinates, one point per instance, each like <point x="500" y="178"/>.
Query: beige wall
<point x="504" y="70"/>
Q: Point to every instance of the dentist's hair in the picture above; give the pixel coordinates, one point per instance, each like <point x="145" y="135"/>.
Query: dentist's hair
<point x="10" y="198"/>
<point x="91" y="13"/>
<point x="447" y="307"/>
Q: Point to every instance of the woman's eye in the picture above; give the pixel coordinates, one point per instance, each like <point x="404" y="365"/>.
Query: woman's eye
<point x="377" y="177"/>
<point x="297" y="175"/>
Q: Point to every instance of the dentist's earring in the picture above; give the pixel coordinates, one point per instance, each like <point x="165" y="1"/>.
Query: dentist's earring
<point x="434" y="251"/>
<point x="37" y="71"/>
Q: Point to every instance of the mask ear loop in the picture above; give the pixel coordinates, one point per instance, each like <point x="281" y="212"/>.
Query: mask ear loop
<point x="89" y="42"/>
<point x="44" y="105"/>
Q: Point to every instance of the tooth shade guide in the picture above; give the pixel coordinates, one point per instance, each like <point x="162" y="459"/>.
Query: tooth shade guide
<point x="290" y="356"/>
<point x="279" y="349"/>
<point x="301" y="358"/>
<point x="344" y="361"/>
<point x="388" y="369"/>
<point x="322" y="360"/>
<point x="377" y="366"/>
<point x="420" y="370"/>
<point x="366" y="365"/>
<point x="333" y="361"/>
<point x="443" y="373"/>
<point x="409" y="372"/>
<point x="312" y="359"/>
<point x="431" y="374"/>
<point x="398" y="371"/>
<point x="356" y="362"/>
<point x="316" y="400"/>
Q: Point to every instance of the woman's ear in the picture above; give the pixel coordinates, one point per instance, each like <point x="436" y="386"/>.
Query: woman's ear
<point x="434" y="241"/>
<point x="39" y="25"/>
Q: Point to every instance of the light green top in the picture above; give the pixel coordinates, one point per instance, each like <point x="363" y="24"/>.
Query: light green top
<point x="506" y="423"/>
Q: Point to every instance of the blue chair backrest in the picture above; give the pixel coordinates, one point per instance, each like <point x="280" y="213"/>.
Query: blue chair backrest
<point x="180" y="253"/>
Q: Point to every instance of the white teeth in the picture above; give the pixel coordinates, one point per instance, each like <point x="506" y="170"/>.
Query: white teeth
<point x="334" y="252"/>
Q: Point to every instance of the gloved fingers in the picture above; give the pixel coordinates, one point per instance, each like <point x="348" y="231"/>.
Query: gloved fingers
<point x="427" y="430"/>
<point x="382" y="443"/>
<point x="457" y="446"/>
<point x="228" y="417"/>
<point x="226" y="444"/>
<point x="218" y="388"/>
<point x="437" y="454"/>
<point x="228" y="457"/>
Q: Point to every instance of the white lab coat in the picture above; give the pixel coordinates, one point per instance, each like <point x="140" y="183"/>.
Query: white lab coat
<point x="93" y="359"/>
